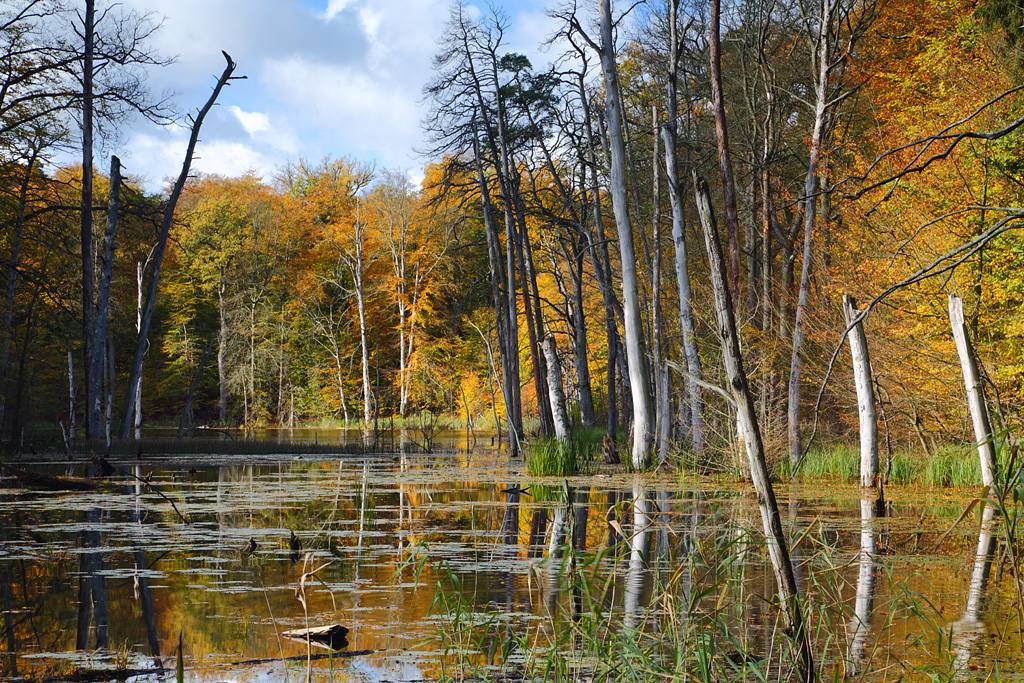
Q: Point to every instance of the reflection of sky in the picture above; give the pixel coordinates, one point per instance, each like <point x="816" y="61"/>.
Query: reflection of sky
<point x="345" y="670"/>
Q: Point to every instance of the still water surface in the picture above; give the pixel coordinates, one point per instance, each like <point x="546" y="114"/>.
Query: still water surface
<point x="389" y="532"/>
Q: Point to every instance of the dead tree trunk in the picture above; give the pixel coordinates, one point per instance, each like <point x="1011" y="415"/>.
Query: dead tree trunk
<point x="695" y="420"/>
<point x="158" y="252"/>
<point x="778" y="547"/>
<point x="975" y="396"/>
<point x="636" y="354"/>
<point x="865" y="393"/>
<point x="722" y="137"/>
<point x="91" y="372"/>
<point x="106" y="274"/>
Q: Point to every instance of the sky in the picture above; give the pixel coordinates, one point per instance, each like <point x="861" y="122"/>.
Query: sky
<point x="324" y="77"/>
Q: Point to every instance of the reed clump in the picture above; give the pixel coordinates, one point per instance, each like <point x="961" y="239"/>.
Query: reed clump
<point x="551" y="457"/>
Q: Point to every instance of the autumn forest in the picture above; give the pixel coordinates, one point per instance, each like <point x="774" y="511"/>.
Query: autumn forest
<point x="866" y="148"/>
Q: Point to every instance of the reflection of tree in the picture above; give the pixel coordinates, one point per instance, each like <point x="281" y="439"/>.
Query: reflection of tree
<point x="12" y="643"/>
<point x="636" y="577"/>
<point x="92" y="600"/>
<point x="142" y="593"/>
<point x="967" y="631"/>
<point x="857" y="627"/>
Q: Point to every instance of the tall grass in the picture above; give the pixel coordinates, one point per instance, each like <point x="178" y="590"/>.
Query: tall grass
<point x="955" y="466"/>
<point x="552" y="457"/>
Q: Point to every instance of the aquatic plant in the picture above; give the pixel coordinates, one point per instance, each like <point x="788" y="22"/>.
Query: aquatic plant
<point x="560" y="458"/>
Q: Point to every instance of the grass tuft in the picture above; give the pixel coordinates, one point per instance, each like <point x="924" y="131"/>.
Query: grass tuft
<point x="551" y="457"/>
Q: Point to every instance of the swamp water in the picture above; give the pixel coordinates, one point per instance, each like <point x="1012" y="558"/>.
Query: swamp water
<point x="435" y="570"/>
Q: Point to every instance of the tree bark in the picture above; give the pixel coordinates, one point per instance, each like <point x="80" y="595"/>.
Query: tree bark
<point x="778" y="547"/>
<point x="675" y="195"/>
<point x="91" y="373"/>
<point x="158" y="252"/>
<point x="632" y="324"/>
<point x="983" y="433"/>
<point x="106" y="273"/>
<point x="501" y="305"/>
<point x="865" y="394"/>
<point x="222" y="345"/>
<point x="810" y="202"/>
<point x="369" y="401"/>
<point x="557" y="395"/>
<point x="602" y="270"/>
<point x="722" y="138"/>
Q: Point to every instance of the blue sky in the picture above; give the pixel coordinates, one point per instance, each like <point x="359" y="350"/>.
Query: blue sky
<point x="325" y="77"/>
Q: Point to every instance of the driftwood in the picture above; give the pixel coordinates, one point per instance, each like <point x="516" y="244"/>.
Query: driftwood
<point x="330" y="637"/>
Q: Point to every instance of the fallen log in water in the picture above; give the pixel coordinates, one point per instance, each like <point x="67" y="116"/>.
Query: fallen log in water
<point x="49" y="482"/>
<point x="331" y="637"/>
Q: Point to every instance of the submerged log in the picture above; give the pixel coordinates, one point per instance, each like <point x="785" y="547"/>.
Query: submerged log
<point x="330" y="637"/>
<point x="48" y="482"/>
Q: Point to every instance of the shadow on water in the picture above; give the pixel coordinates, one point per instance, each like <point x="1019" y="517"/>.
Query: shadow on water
<point x="596" y="575"/>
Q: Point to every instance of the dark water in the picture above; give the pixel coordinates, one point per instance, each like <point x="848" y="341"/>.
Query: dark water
<point x="388" y="534"/>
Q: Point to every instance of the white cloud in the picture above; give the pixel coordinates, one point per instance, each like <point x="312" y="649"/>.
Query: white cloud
<point x="253" y="121"/>
<point x="335" y="7"/>
<point x="325" y="77"/>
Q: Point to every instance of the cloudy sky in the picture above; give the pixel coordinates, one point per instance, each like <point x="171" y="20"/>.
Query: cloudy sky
<point x="324" y="77"/>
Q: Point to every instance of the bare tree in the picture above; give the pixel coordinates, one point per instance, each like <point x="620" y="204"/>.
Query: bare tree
<point x="158" y="253"/>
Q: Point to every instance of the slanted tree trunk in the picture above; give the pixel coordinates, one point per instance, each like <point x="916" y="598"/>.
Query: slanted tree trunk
<point x="778" y="547"/>
<point x="636" y="354"/>
<point x="158" y="252"/>
<point x="975" y="395"/>
<point x="555" y="392"/>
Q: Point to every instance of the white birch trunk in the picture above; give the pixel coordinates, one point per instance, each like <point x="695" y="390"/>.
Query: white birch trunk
<point x="137" y="417"/>
<point x="859" y="625"/>
<point x="555" y="391"/>
<point x="636" y="354"/>
<point x="865" y="394"/>
<point x="71" y="396"/>
<point x="357" y="274"/>
<point x="975" y="395"/>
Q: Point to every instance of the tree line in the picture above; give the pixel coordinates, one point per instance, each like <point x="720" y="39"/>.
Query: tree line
<point x="861" y="148"/>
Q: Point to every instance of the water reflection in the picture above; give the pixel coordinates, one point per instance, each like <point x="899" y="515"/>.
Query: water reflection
<point x="639" y="553"/>
<point x="969" y="629"/>
<point x="372" y="520"/>
<point x="858" y="626"/>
